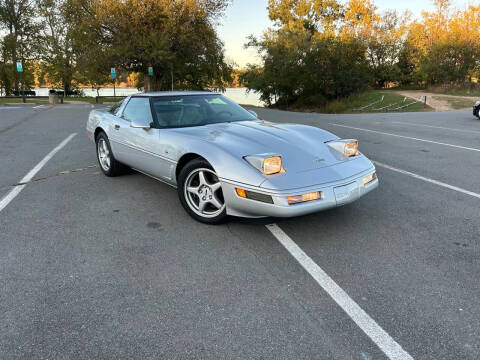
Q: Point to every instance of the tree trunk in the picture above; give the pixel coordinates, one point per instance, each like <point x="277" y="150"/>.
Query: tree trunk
<point x="16" y="85"/>
<point x="146" y="83"/>
<point x="67" y="86"/>
<point x="157" y="83"/>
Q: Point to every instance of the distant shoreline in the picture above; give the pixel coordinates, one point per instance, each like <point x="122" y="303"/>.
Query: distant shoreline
<point x="239" y="95"/>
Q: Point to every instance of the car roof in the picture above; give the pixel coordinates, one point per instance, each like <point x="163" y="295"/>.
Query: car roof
<point x="175" y="93"/>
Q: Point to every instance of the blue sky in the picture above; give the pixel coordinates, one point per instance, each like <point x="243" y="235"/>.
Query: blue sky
<point x="245" y="17"/>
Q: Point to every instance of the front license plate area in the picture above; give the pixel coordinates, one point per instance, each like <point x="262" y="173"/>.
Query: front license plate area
<point x="346" y="194"/>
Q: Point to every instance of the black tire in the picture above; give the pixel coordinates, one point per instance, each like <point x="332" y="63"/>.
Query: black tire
<point x="114" y="167"/>
<point x="210" y="191"/>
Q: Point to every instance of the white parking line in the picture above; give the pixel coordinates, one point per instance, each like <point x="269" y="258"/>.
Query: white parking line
<point x="432" y="181"/>
<point x="379" y="336"/>
<point x="433" y="127"/>
<point x="40" y="106"/>
<point x="17" y="189"/>
<point x="408" y="137"/>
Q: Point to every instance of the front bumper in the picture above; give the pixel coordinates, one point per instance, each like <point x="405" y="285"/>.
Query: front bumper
<point x="334" y="194"/>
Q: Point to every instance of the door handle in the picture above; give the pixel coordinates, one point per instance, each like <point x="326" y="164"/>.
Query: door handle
<point x="117" y="127"/>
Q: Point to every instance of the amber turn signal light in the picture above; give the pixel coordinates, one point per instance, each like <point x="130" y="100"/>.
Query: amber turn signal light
<point x="369" y="178"/>
<point x="241" y="192"/>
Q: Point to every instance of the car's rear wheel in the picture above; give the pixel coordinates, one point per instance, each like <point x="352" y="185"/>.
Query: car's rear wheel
<point x="106" y="160"/>
<point x="200" y="192"/>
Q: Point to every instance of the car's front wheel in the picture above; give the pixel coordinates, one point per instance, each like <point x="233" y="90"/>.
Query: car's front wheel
<point x="200" y="192"/>
<point x="106" y="160"/>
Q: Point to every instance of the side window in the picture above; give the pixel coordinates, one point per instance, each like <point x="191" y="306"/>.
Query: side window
<point x="138" y="108"/>
<point x="116" y="107"/>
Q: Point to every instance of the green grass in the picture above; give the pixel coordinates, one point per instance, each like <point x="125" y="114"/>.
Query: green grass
<point x="4" y="101"/>
<point x="390" y="99"/>
<point x="457" y="103"/>
<point x="359" y="104"/>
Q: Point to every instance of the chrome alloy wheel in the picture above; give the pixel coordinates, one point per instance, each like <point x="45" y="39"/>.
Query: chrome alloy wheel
<point x="203" y="193"/>
<point x="104" y="156"/>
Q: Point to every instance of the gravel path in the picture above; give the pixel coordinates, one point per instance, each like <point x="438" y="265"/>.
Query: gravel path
<point x="433" y="100"/>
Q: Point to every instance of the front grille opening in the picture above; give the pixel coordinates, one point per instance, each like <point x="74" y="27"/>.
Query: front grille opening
<point x="259" y="197"/>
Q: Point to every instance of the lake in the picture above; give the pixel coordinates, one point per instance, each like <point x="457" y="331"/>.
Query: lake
<point x="239" y="95"/>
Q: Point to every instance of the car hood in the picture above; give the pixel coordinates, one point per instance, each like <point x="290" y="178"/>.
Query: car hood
<point x="301" y="147"/>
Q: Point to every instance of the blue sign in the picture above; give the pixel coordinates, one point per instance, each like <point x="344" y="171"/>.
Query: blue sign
<point x="113" y="73"/>
<point x="150" y="70"/>
<point x="19" y="67"/>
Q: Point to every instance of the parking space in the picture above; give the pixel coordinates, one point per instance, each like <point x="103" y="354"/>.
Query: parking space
<point x="96" y="267"/>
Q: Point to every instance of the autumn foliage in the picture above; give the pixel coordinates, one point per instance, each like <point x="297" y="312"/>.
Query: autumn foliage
<point x="319" y="50"/>
<point x="316" y="51"/>
<point x="72" y="42"/>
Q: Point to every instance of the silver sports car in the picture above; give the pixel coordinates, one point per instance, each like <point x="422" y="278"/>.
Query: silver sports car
<point x="224" y="160"/>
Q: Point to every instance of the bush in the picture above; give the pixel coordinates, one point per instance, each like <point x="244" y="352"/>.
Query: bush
<point x="335" y="107"/>
<point x="301" y="70"/>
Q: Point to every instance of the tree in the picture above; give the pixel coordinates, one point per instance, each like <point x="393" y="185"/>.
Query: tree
<point x="17" y="18"/>
<point x="359" y="19"/>
<point x="444" y="45"/>
<point x="176" y="37"/>
<point x="56" y="52"/>
<point x="316" y="16"/>
<point x="384" y="47"/>
<point x="305" y="61"/>
<point x="383" y="36"/>
<point x="5" y="71"/>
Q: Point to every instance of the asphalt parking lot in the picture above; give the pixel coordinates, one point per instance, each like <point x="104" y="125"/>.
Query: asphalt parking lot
<point x="97" y="268"/>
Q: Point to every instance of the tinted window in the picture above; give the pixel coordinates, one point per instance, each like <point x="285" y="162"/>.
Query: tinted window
<point x="197" y="110"/>
<point x="138" y="108"/>
<point x="115" y="107"/>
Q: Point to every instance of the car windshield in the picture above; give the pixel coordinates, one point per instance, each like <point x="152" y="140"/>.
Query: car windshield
<point x="197" y="110"/>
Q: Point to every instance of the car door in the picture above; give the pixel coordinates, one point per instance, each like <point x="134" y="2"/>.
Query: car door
<point x="114" y="124"/>
<point x="141" y="147"/>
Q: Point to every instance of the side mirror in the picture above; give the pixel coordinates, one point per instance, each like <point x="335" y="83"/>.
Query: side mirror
<point x="253" y="113"/>
<point x="140" y="124"/>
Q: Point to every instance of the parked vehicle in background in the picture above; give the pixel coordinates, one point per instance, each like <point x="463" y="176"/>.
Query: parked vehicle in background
<point x="225" y="161"/>
<point x="476" y="109"/>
